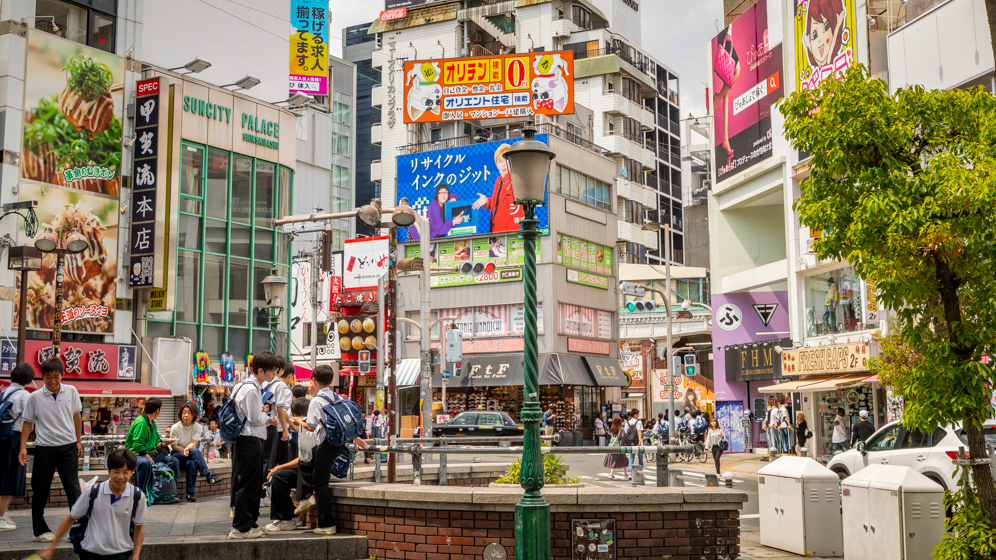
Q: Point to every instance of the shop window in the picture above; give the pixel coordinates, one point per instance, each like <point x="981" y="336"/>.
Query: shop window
<point x="260" y="340"/>
<point x="238" y="342"/>
<point x="102" y="33"/>
<point x="188" y="232"/>
<point x="217" y="184"/>
<point x="265" y="177"/>
<point x="238" y="294"/>
<point x="260" y="271"/>
<point x="70" y="21"/>
<point x="284" y="193"/>
<point x="189" y="331"/>
<point x="833" y="303"/>
<point x="239" y="244"/>
<point x="188" y="286"/>
<point x="191" y="170"/>
<point x="241" y="189"/>
<point x="213" y="340"/>
<point x="214" y="289"/>
<point x="263" y="247"/>
<point x="155" y="329"/>
<point x="215" y="232"/>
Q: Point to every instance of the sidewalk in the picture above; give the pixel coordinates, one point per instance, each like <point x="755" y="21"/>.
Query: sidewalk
<point x="737" y="463"/>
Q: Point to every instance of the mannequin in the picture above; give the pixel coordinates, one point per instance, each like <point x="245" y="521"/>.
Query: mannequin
<point x="748" y="432"/>
<point x="227" y="367"/>
<point x="830" y="307"/>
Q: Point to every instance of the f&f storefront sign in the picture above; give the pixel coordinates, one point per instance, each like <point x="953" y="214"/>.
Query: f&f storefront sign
<point x="839" y="359"/>
<point x="255" y="130"/>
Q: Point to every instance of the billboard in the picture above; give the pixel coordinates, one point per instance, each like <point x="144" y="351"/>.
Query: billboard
<point x="73" y="109"/>
<point x="364" y="261"/>
<point x="498" y="250"/>
<point x="825" y="36"/>
<point x="148" y="204"/>
<point x="309" y="53"/>
<point x="584" y="255"/>
<point x="463" y="191"/>
<point x="747" y="79"/>
<point x="489" y="87"/>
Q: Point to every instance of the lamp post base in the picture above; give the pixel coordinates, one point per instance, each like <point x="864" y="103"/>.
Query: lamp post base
<point x="532" y="528"/>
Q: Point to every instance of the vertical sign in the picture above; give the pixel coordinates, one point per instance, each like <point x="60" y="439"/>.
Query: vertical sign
<point x="150" y="150"/>
<point x="309" y="40"/>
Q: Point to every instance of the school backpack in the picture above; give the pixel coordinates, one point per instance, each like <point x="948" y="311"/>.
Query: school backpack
<point x="629" y="435"/>
<point x="7" y="415"/>
<point x="229" y="423"/>
<point x="699" y="425"/>
<point x="78" y="531"/>
<point x="163" y="485"/>
<point x="340" y="467"/>
<point x="344" y="420"/>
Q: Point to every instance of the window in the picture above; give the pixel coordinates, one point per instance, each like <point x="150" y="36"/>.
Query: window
<point x="465" y="420"/>
<point x="187" y="286"/>
<point x="191" y="170"/>
<point x="634" y="212"/>
<point x="581" y="17"/>
<point x="341" y="108"/>
<point x="582" y="188"/>
<point x="491" y="420"/>
<point x="833" y="303"/>
<point x="92" y="27"/>
<point x="631" y="89"/>
<point x="102" y="33"/>
<point x="633" y="169"/>
<point x="885" y="441"/>
<point x="340" y="144"/>
<point x="631" y="129"/>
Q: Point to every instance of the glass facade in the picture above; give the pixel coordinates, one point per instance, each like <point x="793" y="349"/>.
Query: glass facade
<point x="226" y="245"/>
<point x="833" y="303"/>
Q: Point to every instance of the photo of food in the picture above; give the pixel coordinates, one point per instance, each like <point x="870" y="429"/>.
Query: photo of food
<point x="88" y="285"/>
<point x="74" y="104"/>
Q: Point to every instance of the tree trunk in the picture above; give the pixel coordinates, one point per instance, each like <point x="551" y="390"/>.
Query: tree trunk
<point x="991" y="12"/>
<point x="982" y="474"/>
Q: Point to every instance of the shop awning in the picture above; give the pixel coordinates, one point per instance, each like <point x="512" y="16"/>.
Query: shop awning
<point x="302" y="371"/>
<point x="872" y="379"/>
<point x="835" y="382"/>
<point x="408" y="371"/>
<point x="792" y="386"/>
<point x="116" y="389"/>
<point x="564" y="369"/>
<point x="606" y="372"/>
<point x="497" y="370"/>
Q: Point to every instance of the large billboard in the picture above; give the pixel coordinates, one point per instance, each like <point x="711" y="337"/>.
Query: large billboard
<point x="463" y="191"/>
<point x="502" y="251"/>
<point x="309" y="47"/>
<point x="825" y="36"/>
<point x="747" y="80"/>
<point x="489" y="87"/>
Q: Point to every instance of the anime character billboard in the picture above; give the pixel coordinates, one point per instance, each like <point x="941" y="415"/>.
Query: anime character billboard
<point x="825" y="36"/>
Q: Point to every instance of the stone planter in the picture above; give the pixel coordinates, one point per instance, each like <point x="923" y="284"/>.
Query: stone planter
<point x="499" y="485"/>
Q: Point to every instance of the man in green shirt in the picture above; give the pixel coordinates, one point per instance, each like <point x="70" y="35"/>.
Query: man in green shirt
<point x="144" y="441"/>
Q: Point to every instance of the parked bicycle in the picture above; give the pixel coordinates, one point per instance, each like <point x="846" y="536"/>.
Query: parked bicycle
<point x="699" y="452"/>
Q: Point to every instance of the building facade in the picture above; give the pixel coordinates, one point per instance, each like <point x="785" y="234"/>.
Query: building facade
<point x="357" y="47"/>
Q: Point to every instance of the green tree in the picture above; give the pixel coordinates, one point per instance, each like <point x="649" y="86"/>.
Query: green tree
<point x="903" y="186"/>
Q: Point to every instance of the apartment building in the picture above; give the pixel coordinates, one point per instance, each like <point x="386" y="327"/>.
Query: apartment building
<point x="357" y="47"/>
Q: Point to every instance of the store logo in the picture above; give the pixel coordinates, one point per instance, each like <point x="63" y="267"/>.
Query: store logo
<point x="729" y="317"/>
<point x="765" y="311"/>
<point x="632" y="4"/>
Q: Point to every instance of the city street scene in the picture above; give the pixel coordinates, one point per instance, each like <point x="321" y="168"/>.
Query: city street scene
<point x="497" y="279"/>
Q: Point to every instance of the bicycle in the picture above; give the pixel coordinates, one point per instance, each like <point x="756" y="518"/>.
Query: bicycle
<point x="698" y="448"/>
<point x="651" y="440"/>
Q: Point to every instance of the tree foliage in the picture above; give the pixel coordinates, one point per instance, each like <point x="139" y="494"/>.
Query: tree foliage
<point x="902" y="186"/>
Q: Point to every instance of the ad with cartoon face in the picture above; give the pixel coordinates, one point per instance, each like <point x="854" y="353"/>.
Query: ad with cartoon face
<point x="489" y="87"/>
<point x="825" y="40"/>
<point x="73" y="99"/>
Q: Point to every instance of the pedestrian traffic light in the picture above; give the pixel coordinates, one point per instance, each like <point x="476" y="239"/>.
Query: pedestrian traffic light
<point x="364" y="361"/>
<point x="641" y="305"/>
<point x="690" y="366"/>
<point x="454" y="345"/>
<point x="471" y="268"/>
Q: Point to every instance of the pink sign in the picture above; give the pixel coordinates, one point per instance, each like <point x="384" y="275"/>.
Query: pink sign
<point x="588" y="346"/>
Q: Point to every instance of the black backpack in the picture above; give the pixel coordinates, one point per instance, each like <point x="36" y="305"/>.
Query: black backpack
<point x="629" y="435"/>
<point x="78" y="531"/>
<point x="7" y="419"/>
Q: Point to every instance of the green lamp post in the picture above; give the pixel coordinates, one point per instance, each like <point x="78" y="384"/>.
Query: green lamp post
<point x="273" y="286"/>
<point x="529" y="163"/>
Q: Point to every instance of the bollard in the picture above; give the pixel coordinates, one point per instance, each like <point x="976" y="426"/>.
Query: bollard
<point x="727" y="479"/>
<point x="637" y="478"/>
<point x="711" y="480"/>
<point x="663" y="474"/>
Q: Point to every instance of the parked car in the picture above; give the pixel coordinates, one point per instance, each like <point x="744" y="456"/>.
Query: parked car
<point x="931" y="454"/>
<point x="479" y="423"/>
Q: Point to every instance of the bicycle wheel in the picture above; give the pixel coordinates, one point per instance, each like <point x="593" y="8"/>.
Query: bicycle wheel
<point x="700" y="452"/>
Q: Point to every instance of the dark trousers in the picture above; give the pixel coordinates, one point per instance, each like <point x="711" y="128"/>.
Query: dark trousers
<point x="248" y="484"/>
<point x="325" y="455"/>
<point x="282" y="483"/>
<point x="717" y="451"/>
<point x="48" y="460"/>
<point x="193" y="463"/>
<point x="84" y="555"/>
<point x="143" y="468"/>
<point x="274" y="451"/>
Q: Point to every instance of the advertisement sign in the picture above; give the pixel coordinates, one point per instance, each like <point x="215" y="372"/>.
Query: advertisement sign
<point x="127" y="355"/>
<point x="660" y="386"/>
<point x="364" y="261"/>
<point x="491" y="87"/>
<point x="83" y="360"/>
<point x="148" y="213"/>
<point x="586" y="279"/>
<point x="747" y="79"/>
<point x="698" y="394"/>
<point x="490" y="345"/>
<point x="588" y="346"/>
<point x="302" y="312"/>
<point x="518" y="313"/>
<point x="74" y="106"/>
<point x="842" y="358"/>
<point x="333" y="307"/>
<point x="391" y="15"/>
<point x="584" y="255"/>
<point x="632" y="364"/>
<point x="392" y="4"/>
<point x="755" y="361"/>
<point x="491" y="320"/>
<point x="463" y="191"/>
<point x="583" y="321"/>
<point x="731" y="415"/>
<point x="871" y="307"/>
<point x="826" y="40"/>
<point x="501" y="251"/>
<point x="309" y="54"/>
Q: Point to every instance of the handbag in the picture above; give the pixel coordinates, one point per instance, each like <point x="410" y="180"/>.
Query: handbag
<point x="724" y="445"/>
<point x="614" y="442"/>
<point x="724" y="65"/>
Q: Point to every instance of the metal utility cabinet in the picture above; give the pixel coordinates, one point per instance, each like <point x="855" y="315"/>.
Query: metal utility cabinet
<point x="799" y="500"/>
<point x="891" y="513"/>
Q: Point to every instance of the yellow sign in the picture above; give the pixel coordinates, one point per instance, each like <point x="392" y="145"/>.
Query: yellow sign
<point x="467" y="71"/>
<point x="157" y="300"/>
<point x="826" y="40"/>
<point x="843" y="358"/>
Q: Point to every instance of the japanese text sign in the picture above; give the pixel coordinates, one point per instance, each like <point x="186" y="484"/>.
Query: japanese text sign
<point x="83" y="360"/>
<point x="150" y="161"/>
<point x="364" y="261"/>
<point x="826" y="40"/>
<point x="309" y="54"/>
<point x="584" y="255"/>
<point x="493" y="87"/>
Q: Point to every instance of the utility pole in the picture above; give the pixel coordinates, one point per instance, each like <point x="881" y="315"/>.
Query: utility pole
<point x="316" y="263"/>
<point x="670" y="343"/>
<point x="392" y="389"/>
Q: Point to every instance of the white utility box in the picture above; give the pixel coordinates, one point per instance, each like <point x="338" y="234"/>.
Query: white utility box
<point x="799" y="500"/>
<point x="891" y="513"/>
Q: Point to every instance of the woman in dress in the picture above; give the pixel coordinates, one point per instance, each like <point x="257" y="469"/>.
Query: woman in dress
<point x="615" y="460"/>
<point x="714" y="437"/>
<point x="802" y="432"/>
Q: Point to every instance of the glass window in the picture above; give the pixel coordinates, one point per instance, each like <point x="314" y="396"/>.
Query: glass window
<point x="238" y="343"/>
<point x="284" y="193"/>
<point x="213" y="340"/>
<point x="188" y="234"/>
<point x="465" y="419"/>
<point x="102" y="33"/>
<point x="491" y="420"/>
<point x="916" y="438"/>
<point x="260" y="271"/>
<point x="156" y="329"/>
<point x="214" y="289"/>
<point x="241" y="189"/>
<point x="217" y="184"/>
<point x="340" y="144"/>
<point x="265" y="177"/>
<point x="190" y="205"/>
<point x="214" y="236"/>
<point x="263" y="247"/>
<point x="833" y="302"/>
<point x="885" y="441"/>
<point x="189" y="331"/>
<point x="191" y="169"/>
<point x="70" y="21"/>
<point x="240" y="241"/>
<point x="260" y="340"/>
<point x="238" y="295"/>
<point x="187" y="286"/>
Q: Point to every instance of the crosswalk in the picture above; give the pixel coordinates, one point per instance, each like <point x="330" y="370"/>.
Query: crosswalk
<point x="602" y="480"/>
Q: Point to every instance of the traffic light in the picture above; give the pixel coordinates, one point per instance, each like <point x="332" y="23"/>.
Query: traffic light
<point x="641" y="305"/>
<point x="454" y="345"/>
<point x="690" y="366"/>
<point x="471" y="268"/>
<point x="364" y="361"/>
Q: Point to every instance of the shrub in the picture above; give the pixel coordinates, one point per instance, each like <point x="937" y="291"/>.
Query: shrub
<point x="554" y="471"/>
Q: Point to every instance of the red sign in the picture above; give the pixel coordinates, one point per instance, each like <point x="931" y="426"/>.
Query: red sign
<point x="391" y="15"/>
<point x="588" y="346"/>
<point x="147" y="87"/>
<point x="83" y="360"/>
<point x="490" y="345"/>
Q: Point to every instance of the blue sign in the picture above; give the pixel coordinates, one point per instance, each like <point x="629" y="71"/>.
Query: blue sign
<point x="8" y="356"/>
<point x="463" y="191"/>
<point x="446" y="374"/>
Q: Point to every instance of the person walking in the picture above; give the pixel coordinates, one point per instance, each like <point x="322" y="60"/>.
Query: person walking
<point x="633" y="435"/>
<point x="862" y="429"/>
<point x="784" y="424"/>
<point x="614" y="461"/>
<point x="839" y="438"/>
<point x="13" y="475"/>
<point x="600" y="430"/>
<point x="715" y="440"/>
<point x="802" y="432"/>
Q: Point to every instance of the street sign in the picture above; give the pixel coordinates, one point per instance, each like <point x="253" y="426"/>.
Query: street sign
<point x="305" y="227"/>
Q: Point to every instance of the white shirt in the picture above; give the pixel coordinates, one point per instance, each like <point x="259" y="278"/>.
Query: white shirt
<point x="107" y="532"/>
<point x="713" y="437"/>
<point x="282" y="398"/>
<point x="52" y="415"/>
<point x="316" y="418"/>
<point x="638" y="424"/>
<point x="839" y="433"/>
<point x="599" y="427"/>
<point x="19" y="397"/>
<point x="249" y="405"/>
<point x="185" y="434"/>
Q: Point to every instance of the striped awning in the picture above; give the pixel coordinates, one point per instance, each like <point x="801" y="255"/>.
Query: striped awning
<point x="408" y="372"/>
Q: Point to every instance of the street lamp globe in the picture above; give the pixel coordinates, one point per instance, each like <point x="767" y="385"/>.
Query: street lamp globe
<point x="369" y="214"/>
<point x="273" y="286"/>
<point x="76" y="243"/>
<point x="46" y="242"/>
<point x="529" y="163"/>
<point x="403" y="215"/>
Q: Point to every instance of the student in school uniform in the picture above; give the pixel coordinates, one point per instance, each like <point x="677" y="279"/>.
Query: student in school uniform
<point x="293" y="476"/>
<point x="55" y="411"/>
<point x="248" y="480"/>
<point x="13" y="475"/>
<point x="324" y="452"/>
<point x="275" y="450"/>
<point x="114" y="510"/>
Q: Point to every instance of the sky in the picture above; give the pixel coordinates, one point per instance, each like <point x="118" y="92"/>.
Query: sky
<point x="675" y="32"/>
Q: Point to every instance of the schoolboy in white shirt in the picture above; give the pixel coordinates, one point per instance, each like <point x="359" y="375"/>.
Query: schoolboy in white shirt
<point x="13" y="475"/>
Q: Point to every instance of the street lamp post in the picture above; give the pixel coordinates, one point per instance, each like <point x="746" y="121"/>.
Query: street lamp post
<point x="273" y="286"/>
<point x="72" y="244"/>
<point x="23" y="258"/>
<point x="529" y="162"/>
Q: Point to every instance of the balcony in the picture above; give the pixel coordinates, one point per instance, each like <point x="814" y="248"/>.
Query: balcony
<point x="618" y="143"/>
<point x="376" y="134"/>
<point x="375" y="171"/>
<point x="377" y="95"/>
<point x="616" y="104"/>
<point x="564" y="27"/>
<point x="630" y="232"/>
<point x="651" y="239"/>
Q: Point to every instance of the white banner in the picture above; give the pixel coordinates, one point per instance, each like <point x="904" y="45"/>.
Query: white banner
<point x="583" y="321"/>
<point x="518" y="322"/>
<point x="364" y="261"/>
<point x="871" y="307"/>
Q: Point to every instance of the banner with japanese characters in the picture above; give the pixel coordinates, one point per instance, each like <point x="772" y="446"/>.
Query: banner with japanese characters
<point x="309" y="52"/>
<point x="584" y="255"/>
<point x="463" y="191"/>
<point x="489" y="87"/>
<point x="148" y="201"/>
<point x="502" y="251"/>
<point x="84" y="360"/>
<point x="826" y="40"/>
<point x="364" y="261"/>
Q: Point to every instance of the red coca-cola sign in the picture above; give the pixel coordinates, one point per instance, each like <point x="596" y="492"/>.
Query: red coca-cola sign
<point x="390" y="15"/>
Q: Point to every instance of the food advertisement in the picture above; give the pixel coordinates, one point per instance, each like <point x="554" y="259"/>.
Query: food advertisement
<point x="74" y="106"/>
<point x="502" y="251"/>
<point x="584" y="255"/>
<point x="491" y="87"/>
<point x="89" y="279"/>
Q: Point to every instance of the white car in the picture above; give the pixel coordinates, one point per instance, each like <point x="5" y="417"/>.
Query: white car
<point x="930" y="454"/>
